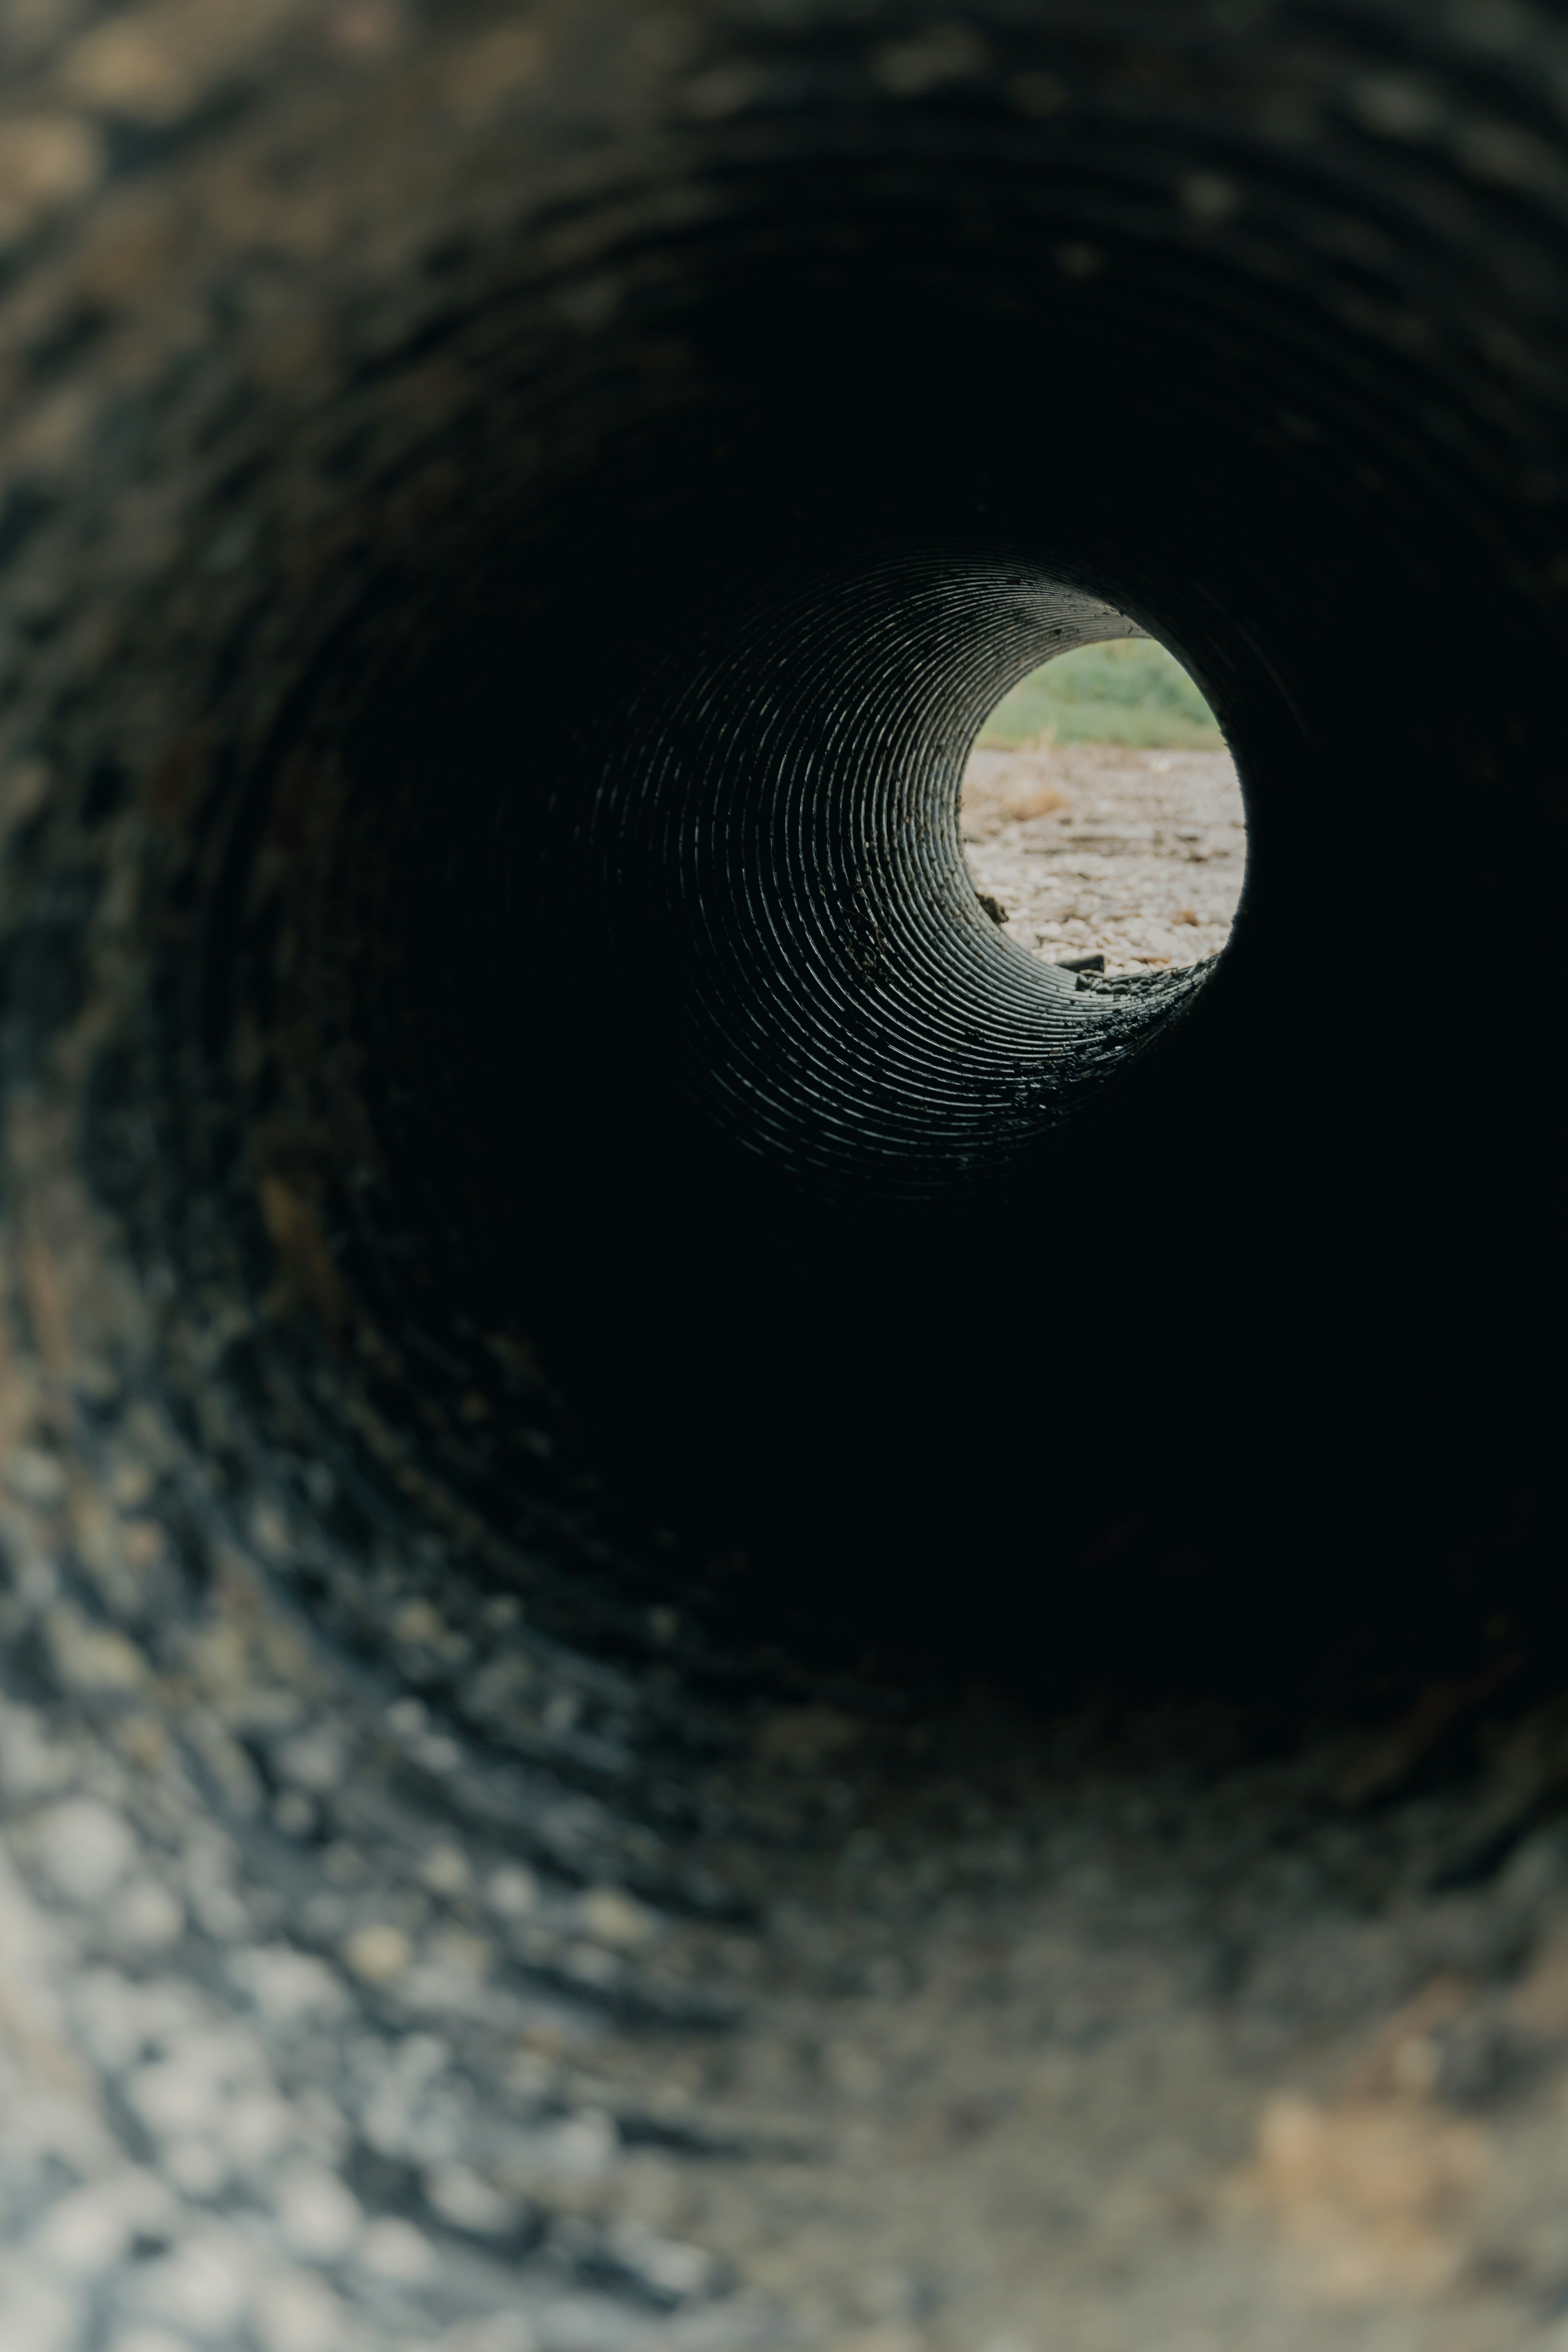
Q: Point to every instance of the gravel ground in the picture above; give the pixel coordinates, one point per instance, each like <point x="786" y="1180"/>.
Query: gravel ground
<point x="1095" y="848"/>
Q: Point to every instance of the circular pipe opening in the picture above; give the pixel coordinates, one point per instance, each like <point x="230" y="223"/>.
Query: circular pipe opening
<point x="583" y="1016"/>
<point x="848" y="1010"/>
<point x="524" y="1150"/>
<point x="1101" y="816"/>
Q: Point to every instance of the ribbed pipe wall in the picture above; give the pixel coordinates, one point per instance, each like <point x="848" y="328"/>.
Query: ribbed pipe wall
<point x="849" y="1010"/>
<point x="569" y="1307"/>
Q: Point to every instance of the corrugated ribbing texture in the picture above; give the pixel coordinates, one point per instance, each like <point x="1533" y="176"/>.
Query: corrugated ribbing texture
<point x="787" y="811"/>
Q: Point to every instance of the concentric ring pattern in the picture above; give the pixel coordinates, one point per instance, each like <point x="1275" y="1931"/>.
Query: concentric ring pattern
<point x="848" y="1009"/>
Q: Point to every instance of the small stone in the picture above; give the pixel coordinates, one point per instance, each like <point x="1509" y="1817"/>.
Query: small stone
<point x="513" y="1891"/>
<point x="286" y="1985"/>
<point x="314" y="1759"/>
<point x="271" y="1531"/>
<point x="196" y="2167"/>
<point x="37" y="2314"/>
<point x="153" y="65"/>
<point x="583" y="2145"/>
<point x="144" y="1542"/>
<point x="85" y="1849"/>
<point x="343" y="1864"/>
<point x="178" y="2095"/>
<point x="445" y="1870"/>
<point x="31" y="1763"/>
<point x="92" y="2228"/>
<point x="202" y="2284"/>
<point x="461" y="2197"/>
<point x="297" y="2313"/>
<point x="379" y="1954"/>
<point x="503" y="2331"/>
<point x="93" y="1657"/>
<point x="317" y="2213"/>
<point x="612" y="1918"/>
<point x="83" y="2233"/>
<point x="35" y="1477"/>
<point x="144" y="1741"/>
<point x="148" y="1916"/>
<point x="395" y="2251"/>
<point x="465" y="1956"/>
<point x="130" y="1484"/>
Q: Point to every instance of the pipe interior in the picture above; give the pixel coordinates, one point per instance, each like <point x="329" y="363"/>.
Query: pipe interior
<point x="585" y="1316"/>
<point x="556" y="1045"/>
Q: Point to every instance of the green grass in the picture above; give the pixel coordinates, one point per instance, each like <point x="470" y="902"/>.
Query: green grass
<point x="1130" y="691"/>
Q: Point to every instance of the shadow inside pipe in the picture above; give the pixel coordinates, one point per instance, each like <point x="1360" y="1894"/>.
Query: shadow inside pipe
<point x="625" y="955"/>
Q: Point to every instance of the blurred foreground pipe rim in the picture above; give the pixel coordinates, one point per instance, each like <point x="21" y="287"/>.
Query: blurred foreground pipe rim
<point x="564" y="1298"/>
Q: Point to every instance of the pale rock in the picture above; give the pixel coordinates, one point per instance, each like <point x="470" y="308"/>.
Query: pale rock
<point x="445" y="1870"/>
<point x="197" y="2168"/>
<point x="395" y="2251"/>
<point x="31" y="1763"/>
<point x="33" y="1476"/>
<point x="583" y="2145"/>
<point x="297" y="2313"/>
<point x="85" y="1849"/>
<point x="314" y="1759"/>
<point x="469" y="2202"/>
<point x="155" y="63"/>
<point x="203" y="2284"/>
<point x="37" y="2314"/>
<point x="614" y="1919"/>
<point x="513" y="1891"/>
<point x="380" y="1953"/>
<point x="92" y="2228"/>
<point x="147" y="1917"/>
<point x="119" y="2019"/>
<point x="317" y="2213"/>
<point x="501" y="2331"/>
<point x="212" y="2096"/>
<point x="287" y="1986"/>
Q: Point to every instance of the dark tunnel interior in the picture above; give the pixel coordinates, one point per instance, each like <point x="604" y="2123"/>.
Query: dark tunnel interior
<point x="897" y="1608"/>
<point x="589" y="1009"/>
